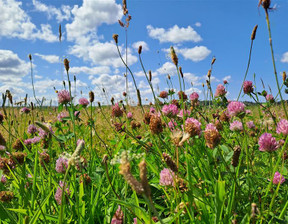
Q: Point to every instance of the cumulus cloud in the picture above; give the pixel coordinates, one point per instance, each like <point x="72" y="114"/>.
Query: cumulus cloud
<point x="62" y="13"/>
<point x="89" y="70"/>
<point x="144" y="45"/>
<point x="49" y="58"/>
<point x="89" y="16"/>
<point x="103" y="54"/>
<point x="195" y="54"/>
<point x="167" y="68"/>
<point x="15" y="23"/>
<point x="284" y="58"/>
<point x="12" y="68"/>
<point x="192" y="78"/>
<point x="174" y="34"/>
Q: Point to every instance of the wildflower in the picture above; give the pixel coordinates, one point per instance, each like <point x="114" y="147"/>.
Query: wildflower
<point x="267" y="142"/>
<point x="45" y="130"/>
<point x="118" y="216"/>
<point x="76" y="113"/>
<point x="163" y="94"/>
<point x="270" y="98"/>
<point x="18" y="156"/>
<point x="32" y="129"/>
<point x="212" y="136"/>
<point x="235" y="108"/>
<point x="3" y="179"/>
<point x="152" y="110"/>
<point x="166" y="177"/>
<point x="250" y="124"/>
<point x="25" y="110"/>
<point x="59" y="192"/>
<point x="181" y="95"/>
<point x="236" y="155"/>
<point x="248" y="87"/>
<point x="172" y="124"/>
<point x="278" y="178"/>
<point x="61" y="115"/>
<point x="236" y="126"/>
<point x="186" y="113"/>
<point x="135" y="124"/>
<point x="193" y="127"/>
<point x="194" y="97"/>
<point x="76" y="155"/>
<point x="6" y="196"/>
<point x="64" y="97"/>
<point x="170" y="163"/>
<point x="155" y="124"/>
<point x="2" y="148"/>
<point x="282" y="127"/>
<point x="129" y="115"/>
<point x="85" y="178"/>
<point x="173" y="56"/>
<point x="116" y="111"/>
<point x="84" y="102"/>
<point x="225" y="117"/>
<point x="18" y="145"/>
<point x="225" y="82"/>
<point x="220" y="90"/>
<point x="61" y="165"/>
<point x="170" y="110"/>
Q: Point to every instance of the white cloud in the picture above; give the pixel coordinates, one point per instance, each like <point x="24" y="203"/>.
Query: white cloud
<point x="90" y="16"/>
<point x="195" y="54"/>
<point x="90" y="71"/>
<point x="139" y="74"/>
<point x="167" y="68"/>
<point x="284" y="58"/>
<point x="144" y="45"/>
<point x="49" y="58"/>
<point x="190" y="77"/>
<point x="174" y="34"/>
<point x="63" y="13"/>
<point x="12" y="68"/>
<point x="198" y="24"/>
<point x="15" y="23"/>
<point x="103" y="53"/>
<point x="227" y="78"/>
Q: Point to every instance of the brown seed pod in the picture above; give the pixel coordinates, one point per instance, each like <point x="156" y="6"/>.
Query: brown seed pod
<point x="236" y="155"/>
<point x="91" y="96"/>
<point x="66" y="64"/>
<point x="254" y="32"/>
<point x="174" y="56"/>
<point x="140" y="49"/>
<point x="170" y="163"/>
<point x="115" y="37"/>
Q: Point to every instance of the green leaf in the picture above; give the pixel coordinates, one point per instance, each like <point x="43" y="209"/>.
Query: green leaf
<point x="219" y="199"/>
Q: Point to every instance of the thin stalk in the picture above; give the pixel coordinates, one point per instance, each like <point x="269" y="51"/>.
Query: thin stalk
<point x="273" y="60"/>
<point x="247" y="68"/>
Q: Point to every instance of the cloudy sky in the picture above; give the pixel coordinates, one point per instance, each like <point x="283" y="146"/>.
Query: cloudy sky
<point x="198" y="30"/>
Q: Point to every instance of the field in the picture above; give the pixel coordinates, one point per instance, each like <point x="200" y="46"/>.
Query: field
<point x="176" y="160"/>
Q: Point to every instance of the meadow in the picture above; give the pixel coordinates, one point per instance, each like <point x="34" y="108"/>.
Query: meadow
<point x="176" y="160"/>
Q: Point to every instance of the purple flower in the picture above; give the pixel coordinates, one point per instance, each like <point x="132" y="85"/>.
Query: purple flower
<point x="31" y="141"/>
<point x="129" y="115"/>
<point x="61" y="165"/>
<point x="270" y="98"/>
<point x="248" y="87"/>
<point x="64" y="97"/>
<point x="278" y="178"/>
<point x="267" y="142"/>
<point x="250" y="125"/>
<point x="32" y="129"/>
<point x="186" y="113"/>
<point x="236" y="126"/>
<point x="43" y="134"/>
<point x="61" y="115"/>
<point x="210" y="126"/>
<point x="172" y="124"/>
<point x="118" y="216"/>
<point x="59" y="191"/>
<point x="282" y="127"/>
<point x="170" y="110"/>
<point x="116" y="111"/>
<point x="194" y="96"/>
<point x="76" y="113"/>
<point x="235" y="108"/>
<point x="152" y="110"/>
<point x="3" y="179"/>
<point x="195" y="129"/>
<point x="248" y="111"/>
<point x="166" y="177"/>
<point x="25" y="110"/>
<point x="220" y="90"/>
<point x="84" y="102"/>
<point x="2" y="148"/>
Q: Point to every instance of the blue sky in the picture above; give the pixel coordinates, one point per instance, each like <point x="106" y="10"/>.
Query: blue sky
<point x="198" y="30"/>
